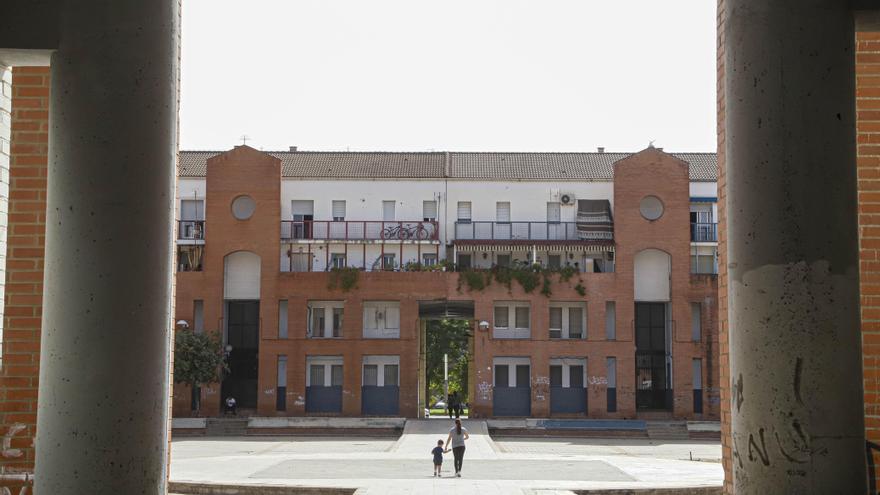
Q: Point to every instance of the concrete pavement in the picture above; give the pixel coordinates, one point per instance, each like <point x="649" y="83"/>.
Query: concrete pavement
<point x="385" y="466"/>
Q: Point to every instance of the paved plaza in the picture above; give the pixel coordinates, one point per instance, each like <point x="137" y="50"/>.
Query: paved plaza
<point x="403" y="466"/>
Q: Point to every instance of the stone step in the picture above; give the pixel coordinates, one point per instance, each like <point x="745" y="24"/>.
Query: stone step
<point x="668" y="430"/>
<point x="226" y="427"/>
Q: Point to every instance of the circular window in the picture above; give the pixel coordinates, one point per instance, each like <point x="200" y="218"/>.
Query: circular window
<point x="651" y="207"/>
<point x="243" y="207"/>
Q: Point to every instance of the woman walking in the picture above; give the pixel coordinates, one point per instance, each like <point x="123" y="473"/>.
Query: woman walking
<point x="456" y="438"/>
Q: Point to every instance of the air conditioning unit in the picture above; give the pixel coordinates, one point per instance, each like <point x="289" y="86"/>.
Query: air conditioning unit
<point x="567" y="199"/>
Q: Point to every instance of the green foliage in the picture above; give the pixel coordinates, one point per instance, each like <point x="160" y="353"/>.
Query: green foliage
<point x="580" y="289"/>
<point x="546" y="289"/>
<point x="345" y="278"/>
<point x="447" y="337"/>
<point x="474" y="280"/>
<point x="566" y="272"/>
<point x="198" y="358"/>
<point x="528" y="276"/>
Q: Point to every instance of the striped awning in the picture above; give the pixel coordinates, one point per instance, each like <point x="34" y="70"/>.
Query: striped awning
<point x="590" y="248"/>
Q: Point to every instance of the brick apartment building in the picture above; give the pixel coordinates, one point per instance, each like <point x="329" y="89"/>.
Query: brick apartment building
<point x="321" y="269"/>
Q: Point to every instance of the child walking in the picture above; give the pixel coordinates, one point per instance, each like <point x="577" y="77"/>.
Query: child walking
<point x="438" y="457"/>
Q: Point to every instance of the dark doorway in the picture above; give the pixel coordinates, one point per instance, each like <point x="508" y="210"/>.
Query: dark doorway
<point x="243" y="334"/>
<point x="449" y="336"/>
<point x="653" y="390"/>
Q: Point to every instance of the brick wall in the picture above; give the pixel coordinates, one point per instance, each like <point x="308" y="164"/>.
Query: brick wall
<point x="868" y="135"/>
<point x="24" y="265"/>
<point x="723" y="328"/>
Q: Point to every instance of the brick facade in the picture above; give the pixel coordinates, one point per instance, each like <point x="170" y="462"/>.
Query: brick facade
<point x="247" y="171"/>
<point x="24" y="265"/>
<point x="868" y="132"/>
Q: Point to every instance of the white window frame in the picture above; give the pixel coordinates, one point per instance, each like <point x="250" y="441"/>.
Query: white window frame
<point x="566" y="326"/>
<point x="336" y="256"/>
<point x="378" y="327"/>
<point x="327" y="332"/>
<point x="566" y="364"/>
<point x="426" y="204"/>
<point x="511" y="331"/>
<point x="333" y="207"/>
<point x="430" y="259"/>
<point x="554" y="209"/>
<point x="381" y="362"/>
<point x="500" y="217"/>
<point x="393" y="204"/>
<point x="511" y="363"/>
<point x="200" y="209"/>
<point x="464" y="206"/>
<point x="328" y="362"/>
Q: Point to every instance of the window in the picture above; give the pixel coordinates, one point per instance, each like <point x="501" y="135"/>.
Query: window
<point x="464" y="211"/>
<point x="391" y="375"/>
<point x="338" y="210"/>
<point x="554" y="261"/>
<point x="567" y="320"/>
<point x="555" y="375"/>
<point x="325" y="319"/>
<point x="429" y="259"/>
<point x="198" y="316"/>
<point x="502" y="379"/>
<point x="192" y="209"/>
<point x="388" y="211"/>
<point x="464" y="261"/>
<point x="696" y="322"/>
<point x="336" y="376"/>
<point x="316" y="375"/>
<point x="610" y="320"/>
<point x="522" y="376"/>
<point x="337" y="260"/>
<point x="303" y="213"/>
<point x="382" y="320"/>
<point x="511" y="312"/>
<point x="282" y="319"/>
<point x="502" y="314"/>
<point x="522" y="317"/>
<point x="611" y="388"/>
<point x="388" y="261"/>
<point x="371" y="375"/>
<point x="554" y="214"/>
<point x="704" y="259"/>
<point x="337" y="322"/>
<point x="300" y="262"/>
<point x="576" y="376"/>
<point x="575" y="323"/>
<point x="281" y="380"/>
<point x="324" y="371"/>
<point x="429" y="210"/>
<point x="502" y="260"/>
<point x="502" y="212"/>
<point x="555" y="323"/>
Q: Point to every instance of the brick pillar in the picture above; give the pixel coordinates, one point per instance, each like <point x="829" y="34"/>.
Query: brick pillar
<point x="868" y="162"/>
<point x="24" y="263"/>
<point x="723" y="327"/>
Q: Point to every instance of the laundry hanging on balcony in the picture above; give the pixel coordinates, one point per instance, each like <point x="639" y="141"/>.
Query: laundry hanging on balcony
<point x="594" y="221"/>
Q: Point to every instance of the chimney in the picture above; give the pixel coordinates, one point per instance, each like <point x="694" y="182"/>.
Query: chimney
<point x="292" y="148"/>
<point x="601" y="149"/>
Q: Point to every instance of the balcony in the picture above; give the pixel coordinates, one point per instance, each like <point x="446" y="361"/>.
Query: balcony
<point x="191" y="230"/>
<point x="704" y="232"/>
<point x="532" y="231"/>
<point x="343" y="231"/>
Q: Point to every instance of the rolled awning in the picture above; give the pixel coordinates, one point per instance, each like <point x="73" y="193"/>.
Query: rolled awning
<point x="594" y="221"/>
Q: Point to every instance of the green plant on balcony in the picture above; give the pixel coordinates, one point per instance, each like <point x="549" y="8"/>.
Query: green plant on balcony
<point x="475" y="280"/>
<point x="546" y="287"/>
<point x="580" y="289"/>
<point x="345" y="278"/>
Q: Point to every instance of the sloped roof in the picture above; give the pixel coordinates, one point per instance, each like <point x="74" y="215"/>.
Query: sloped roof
<point x="462" y="165"/>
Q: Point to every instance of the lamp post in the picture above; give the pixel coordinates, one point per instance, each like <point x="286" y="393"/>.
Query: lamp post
<point x="446" y="378"/>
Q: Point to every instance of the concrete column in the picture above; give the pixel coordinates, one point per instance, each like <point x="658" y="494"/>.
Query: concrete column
<point x="5" y="134"/>
<point x="104" y="373"/>
<point x="794" y="303"/>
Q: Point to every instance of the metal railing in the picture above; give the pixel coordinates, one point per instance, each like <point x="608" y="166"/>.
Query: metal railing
<point x="704" y="232"/>
<point x="191" y="230"/>
<point x="531" y="231"/>
<point x="366" y="230"/>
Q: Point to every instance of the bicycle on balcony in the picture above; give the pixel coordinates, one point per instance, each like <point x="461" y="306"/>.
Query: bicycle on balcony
<point x="402" y="232"/>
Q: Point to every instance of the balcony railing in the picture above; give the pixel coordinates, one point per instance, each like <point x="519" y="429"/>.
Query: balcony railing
<point x="360" y="230"/>
<point x="529" y="231"/>
<point x="191" y="230"/>
<point x="704" y="232"/>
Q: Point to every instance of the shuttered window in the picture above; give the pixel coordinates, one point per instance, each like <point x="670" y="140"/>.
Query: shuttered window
<point x="522" y="317"/>
<point x="575" y="323"/>
<point x="429" y="210"/>
<point x="338" y="210"/>
<point x="388" y="211"/>
<point x="371" y="375"/>
<point x="502" y="315"/>
<point x="316" y="375"/>
<point x="464" y="211"/>
<point x="336" y="375"/>
<point x="192" y="209"/>
<point x="553" y="212"/>
<point x="502" y="211"/>
<point x="556" y="318"/>
<point x="391" y="374"/>
<point x="556" y="376"/>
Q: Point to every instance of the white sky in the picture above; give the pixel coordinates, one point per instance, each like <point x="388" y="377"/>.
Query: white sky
<point x="460" y="75"/>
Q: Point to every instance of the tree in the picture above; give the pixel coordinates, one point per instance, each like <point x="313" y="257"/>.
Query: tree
<point x="198" y="359"/>
<point x="447" y="337"/>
